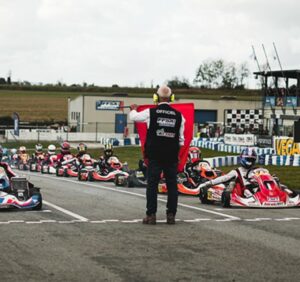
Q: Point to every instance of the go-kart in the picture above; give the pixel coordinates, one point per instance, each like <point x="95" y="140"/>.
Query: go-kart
<point x="49" y="165"/>
<point x="17" y="192"/>
<point x="23" y="163"/>
<point x="265" y="191"/>
<point x="188" y="182"/>
<point x="69" y="167"/>
<point x="86" y="167"/>
<point x="36" y="164"/>
<point x="114" y="172"/>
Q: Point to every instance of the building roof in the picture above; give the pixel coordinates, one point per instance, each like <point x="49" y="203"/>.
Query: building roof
<point x="282" y="74"/>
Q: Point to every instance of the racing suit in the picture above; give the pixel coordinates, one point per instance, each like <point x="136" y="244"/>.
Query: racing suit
<point x="240" y="174"/>
<point x="8" y="170"/>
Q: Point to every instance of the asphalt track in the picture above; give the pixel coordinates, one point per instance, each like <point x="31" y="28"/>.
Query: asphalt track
<point x="93" y="232"/>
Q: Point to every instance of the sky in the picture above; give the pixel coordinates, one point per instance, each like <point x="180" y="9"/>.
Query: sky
<point x="142" y="42"/>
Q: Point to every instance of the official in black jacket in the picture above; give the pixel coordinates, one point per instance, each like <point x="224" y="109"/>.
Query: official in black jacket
<point x="165" y="136"/>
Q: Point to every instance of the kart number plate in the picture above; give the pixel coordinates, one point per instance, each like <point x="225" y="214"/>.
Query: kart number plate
<point x="209" y="195"/>
<point x="273" y="199"/>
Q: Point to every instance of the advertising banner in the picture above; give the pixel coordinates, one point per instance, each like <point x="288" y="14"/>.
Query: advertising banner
<point x="285" y="146"/>
<point x="291" y="102"/>
<point x="109" y="105"/>
<point x="264" y="141"/>
<point x="270" y="101"/>
<point x="16" y="124"/>
<point x="239" y="139"/>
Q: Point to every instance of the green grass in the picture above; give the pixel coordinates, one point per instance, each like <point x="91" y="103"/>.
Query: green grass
<point x="52" y="106"/>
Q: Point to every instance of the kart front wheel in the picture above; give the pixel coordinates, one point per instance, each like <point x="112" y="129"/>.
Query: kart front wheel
<point x="226" y="197"/>
<point x="203" y="196"/>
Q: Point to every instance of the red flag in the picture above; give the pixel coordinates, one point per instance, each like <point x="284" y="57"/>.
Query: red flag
<point x="187" y="110"/>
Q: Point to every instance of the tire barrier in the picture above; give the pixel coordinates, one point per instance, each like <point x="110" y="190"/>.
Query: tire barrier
<point x="220" y="146"/>
<point x="262" y="160"/>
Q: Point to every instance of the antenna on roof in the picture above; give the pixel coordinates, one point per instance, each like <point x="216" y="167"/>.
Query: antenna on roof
<point x="258" y="66"/>
<point x="287" y="89"/>
<point x="268" y="66"/>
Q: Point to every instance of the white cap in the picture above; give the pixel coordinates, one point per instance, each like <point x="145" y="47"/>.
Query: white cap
<point x="164" y="91"/>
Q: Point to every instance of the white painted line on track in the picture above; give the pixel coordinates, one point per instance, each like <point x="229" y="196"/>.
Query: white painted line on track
<point x="142" y="196"/>
<point x="75" y="215"/>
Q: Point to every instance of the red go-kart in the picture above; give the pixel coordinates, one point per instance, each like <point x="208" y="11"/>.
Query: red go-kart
<point x="266" y="192"/>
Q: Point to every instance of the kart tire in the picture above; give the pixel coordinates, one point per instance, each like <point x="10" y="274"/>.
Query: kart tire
<point x="226" y="197"/>
<point x="65" y="173"/>
<point x="30" y="167"/>
<point x="117" y="180"/>
<point x="79" y="176"/>
<point x="57" y="174"/>
<point x="130" y="181"/>
<point x="42" y="170"/>
<point x="90" y="176"/>
<point x="203" y="196"/>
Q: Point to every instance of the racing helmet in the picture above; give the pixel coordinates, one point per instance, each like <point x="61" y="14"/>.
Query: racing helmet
<point x="82" y="148"/>
<point x="194" y="154"/>
<point x="22" y="150"/>
<point x="248" y="158"/>
<point x="13" y="151"/>
<point x="39" y="148"/>
<point x="108" y="150"/>
<point x="65" y="148"/>
<point x="51" y="149"/>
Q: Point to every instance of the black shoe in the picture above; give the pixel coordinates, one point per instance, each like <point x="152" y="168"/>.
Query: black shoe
<point x="170" y="218"/>
<point x="150" y="219"/>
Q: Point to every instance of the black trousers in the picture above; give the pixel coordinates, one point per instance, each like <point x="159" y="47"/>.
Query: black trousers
<point x="155" y="168"/>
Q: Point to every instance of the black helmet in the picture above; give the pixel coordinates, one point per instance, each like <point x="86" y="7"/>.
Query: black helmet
<point x="108" y="150"/>
<point x="82" y="148"/>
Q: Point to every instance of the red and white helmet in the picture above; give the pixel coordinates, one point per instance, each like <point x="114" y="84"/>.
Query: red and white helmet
<point x="65" y="147"/>
<point x="194" y="154"/>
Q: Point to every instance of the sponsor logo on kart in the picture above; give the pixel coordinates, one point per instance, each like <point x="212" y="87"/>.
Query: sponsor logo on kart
<point x="166" y="122"/>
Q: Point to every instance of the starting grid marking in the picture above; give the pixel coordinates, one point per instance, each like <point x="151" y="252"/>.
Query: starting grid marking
<point x="134" y="221"/>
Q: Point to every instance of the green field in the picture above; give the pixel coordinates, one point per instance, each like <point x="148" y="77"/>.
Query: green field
<point x="52" y="106"/>
<point x="289" y="176"/>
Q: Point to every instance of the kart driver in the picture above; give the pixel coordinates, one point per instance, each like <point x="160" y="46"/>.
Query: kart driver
<point x="23" y="156"/>
<point x="242" y="174"/>
<point x="38" y="154"/>
<point x="8" y="170"/>
<point x="83" y="157"/>
<point x="103" y="160"/>
<point x="50" y="153"/>
<point x="65" y="149"/>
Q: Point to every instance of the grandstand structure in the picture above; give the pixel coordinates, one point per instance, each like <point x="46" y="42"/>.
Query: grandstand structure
<point x="281" y="100"/>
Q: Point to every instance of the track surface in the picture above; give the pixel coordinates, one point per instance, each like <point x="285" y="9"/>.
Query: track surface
<point x="93" y="232"/>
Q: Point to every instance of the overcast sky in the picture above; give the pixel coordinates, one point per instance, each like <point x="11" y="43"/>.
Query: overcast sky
<point x="136" y="42"/>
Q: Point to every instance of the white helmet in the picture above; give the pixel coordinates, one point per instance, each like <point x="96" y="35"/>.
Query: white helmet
<point x="13" y="151"/>
<point x="22" y="149"/>
<point x="51" y="149"/>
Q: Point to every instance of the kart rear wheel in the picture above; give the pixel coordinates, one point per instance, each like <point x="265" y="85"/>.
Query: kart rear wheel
<point x="226" y="197"/>
<point x="65" y="173"/>
<point x="79" y="176"/>
<point x="57" y="171"/>
<point x="130" y="181"/>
